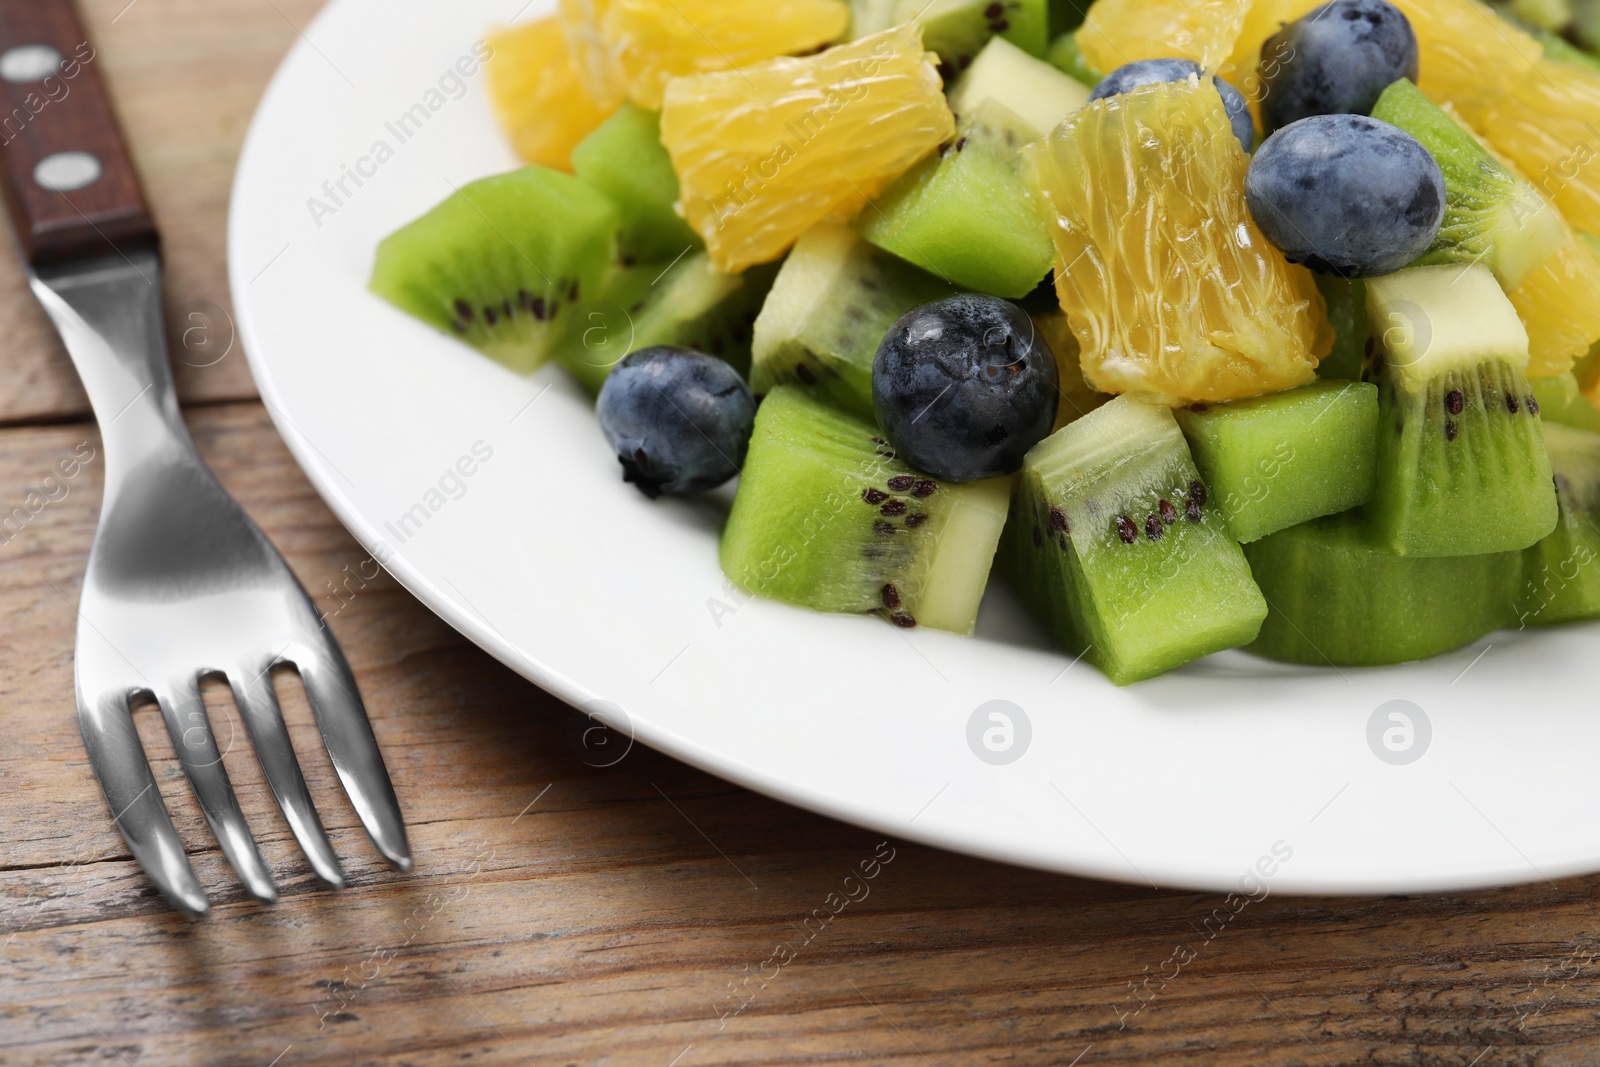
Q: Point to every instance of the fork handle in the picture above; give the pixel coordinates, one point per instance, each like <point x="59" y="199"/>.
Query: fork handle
<point x="70" y="183"/>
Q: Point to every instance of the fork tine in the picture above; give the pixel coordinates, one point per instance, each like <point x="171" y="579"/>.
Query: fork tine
<point x="120" y="763"/>
<point x="258" y="706"/>
<point x="196" y="746"/>
<point x="336" y="702"/>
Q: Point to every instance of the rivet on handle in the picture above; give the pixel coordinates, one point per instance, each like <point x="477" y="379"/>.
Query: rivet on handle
<point x="29" y="63"/>
<point x="66" y="171"/>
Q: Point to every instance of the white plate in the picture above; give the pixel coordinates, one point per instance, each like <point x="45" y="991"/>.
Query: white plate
<point x="547" y="560"/>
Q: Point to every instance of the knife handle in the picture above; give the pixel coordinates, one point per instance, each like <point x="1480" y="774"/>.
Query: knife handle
<point x="70" y="184"/>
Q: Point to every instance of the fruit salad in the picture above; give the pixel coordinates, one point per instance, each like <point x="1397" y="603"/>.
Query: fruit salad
<point x="1204" y="324"/>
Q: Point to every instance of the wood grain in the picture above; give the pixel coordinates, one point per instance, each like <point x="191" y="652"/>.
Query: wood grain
<point x="566" y="914"/>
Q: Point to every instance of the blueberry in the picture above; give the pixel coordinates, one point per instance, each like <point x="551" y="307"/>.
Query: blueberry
<point x="963" y="387"/>
<point x="1346" y="195"/>
<point x="1337" y="60"/>
<point x="679" y="420"/>
<point x="1154" y="71"/>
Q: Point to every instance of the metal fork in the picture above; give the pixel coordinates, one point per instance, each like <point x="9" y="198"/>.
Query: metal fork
<point x="181" y="585"/>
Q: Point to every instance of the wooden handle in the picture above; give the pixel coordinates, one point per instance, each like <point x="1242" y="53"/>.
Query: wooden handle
<point x="70" y="183"/>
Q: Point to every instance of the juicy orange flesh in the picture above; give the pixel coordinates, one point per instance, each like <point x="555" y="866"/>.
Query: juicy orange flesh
<point x="765" y="153"/>
<point x="653" y="41"/>
<point x="1115" y="32"/>
<point x="1169" y="286"/>
<point x="597" y="67"/>
<point x="1542" y="114"/>
<point x="537" y="94"/>
<point x="1560" y="306"/>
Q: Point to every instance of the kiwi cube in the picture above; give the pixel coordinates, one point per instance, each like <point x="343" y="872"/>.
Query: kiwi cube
<point x="1561" y="574"/>
<point x="1067" y="57"/>
<point x="1561" y="400"/>
<point x="958" y="29"/>
<point x="624" y="159"/>
<point x="688" y="303"/>
<point x="827" y="518"/>
<point x="1346" y="299"/>
<point x="502" y="262"/>
<point x="1462" y="468"/>
<point x="1339" y="596"/>
<point x="1117" y="545"/>
<point x="834" y="299"/>
<point x="1276" y="461"/>
<point x="1492" y="216"/>
<point x="965" y="214"/>
<point x="1031" y="89"/>
<point x="871" y="16"/>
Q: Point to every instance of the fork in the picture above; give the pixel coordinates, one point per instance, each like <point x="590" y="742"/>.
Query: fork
<point x="181" y="586"/>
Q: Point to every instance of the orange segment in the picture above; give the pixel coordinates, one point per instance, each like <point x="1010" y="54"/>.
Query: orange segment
<point x="1169" y="287"/>
<point x="1115" y="32"/>
<point x="1542" y="114"/>
<point x="537" y="94"/>
<point x="1560" y="306"/>
<point x="767" y="152"/>
<point x="597" y="67"/>
<point x="654" y="40"/>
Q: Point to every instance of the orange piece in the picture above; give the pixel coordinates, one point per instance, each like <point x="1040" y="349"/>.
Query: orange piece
<point x="654" y="40"/>
<point x="597" y="67"/>
<point x="1115" y="32"/>
<point x="765" y="153"/>
<point x="537" y="95"/>
<point x="1560" y="306"/>
<point x="1169" y="286"/>
<point x="1542" y="114"/>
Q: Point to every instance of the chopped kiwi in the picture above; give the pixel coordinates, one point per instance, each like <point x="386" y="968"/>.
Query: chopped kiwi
<point x="965" y="213"/>
<point x="1276" y="461"/>
<point x="1461" y="461"/>
<point x="826" y="517"/>
<point x="1558" y="49"/>
<point x="688" y="303"/>
<point x="1347" y="313"/>
<point x="1078" y="397"/>
<point x="1561" y="574"/>
<point x="834" y="299"/>
<point x="871" y="16"/>
<point x="1116" y="544"/>
<point x="958" y="29"/>
<point x="502" y="262"/>
<point x="624" y="159"/>
<point x="1037" y="93"/>
<point x="1560" y="400"/>
<point x="1546" y="15"/>
<point x="1340" y="597"/>
<point x="1067" y="57"/>
<point x="1491" y="215"/>
<point x="1585" y="27"/>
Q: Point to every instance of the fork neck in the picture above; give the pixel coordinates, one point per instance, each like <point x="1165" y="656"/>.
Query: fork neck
<point x="108" y="312"/>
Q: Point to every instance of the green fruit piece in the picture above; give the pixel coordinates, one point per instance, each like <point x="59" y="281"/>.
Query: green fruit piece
<point x="1065" y="15"/>
<point x="1461" y="461"/>
<point x="827" y="518"/>
<point x="1339" y="597"/>
<point x="1276" y="461"/>
<point x="1561" y="574"/>
<point x="1067" y="57"/>
<point x="1557" y="48"/>
<point x="834" y="299"/>
<point x="871" y="16"/>
<point x="1586" y="24"/>
<point x="502" y="262"/>
<point x="1031" y="89"/>
<point x="965" y="215"/>
<point x="1549" y="15"/>
<point x="688" y="303"/>
<point x="1491" y="215"/>
<point x="623" y="158"/>
<point x="1114" y="545"/>
<point x="1560" y="400"/>
<point x="958" y="29"/>
<point x="1347" y="312"/>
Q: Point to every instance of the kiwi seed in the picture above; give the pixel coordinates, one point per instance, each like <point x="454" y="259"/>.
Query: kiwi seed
<point x="903" y="620"/>
<point x="893" y="508"/>
<point x="874" y="496"/>
<point x="925" y="488"/>
<point x="1450" y="430"/>
<point x="1511" y="403"/>
<point x="883" y="529"/>
<point x="1058" y="521"/>
<point x="1127" y="530"/>
<point x="1153" y="527"/>
<point x="1169" y="514"/>
<point x="901" y="482"/>
<point x="891" y="596"/>
<point x="913" y="521"/>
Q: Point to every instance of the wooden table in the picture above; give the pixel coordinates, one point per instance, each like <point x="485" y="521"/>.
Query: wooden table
<point x="566" y="914"/>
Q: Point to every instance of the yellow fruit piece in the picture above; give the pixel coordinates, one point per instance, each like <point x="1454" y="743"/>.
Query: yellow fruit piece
<point x="767" y="152"/>
<point x="1560" y="306"/>
<point x="1078" y="397"/>
<point x="654" y="40"/>
<point x="1115" y="32"/>
<point x="1171" y="289"/>
<point x="537" y="96"/>
<point x="597" y="67"/>
<point x="1542" y="114"/>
